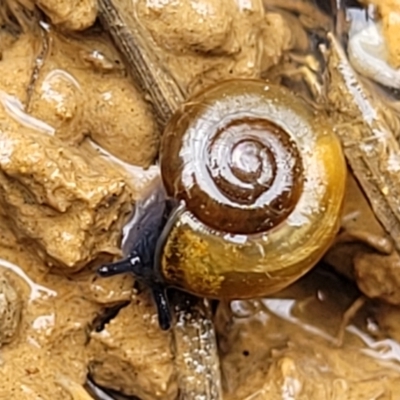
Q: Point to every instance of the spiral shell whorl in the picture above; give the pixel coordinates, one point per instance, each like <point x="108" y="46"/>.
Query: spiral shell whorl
<point x="225" y="263"/>
<point x="236" y="170"/>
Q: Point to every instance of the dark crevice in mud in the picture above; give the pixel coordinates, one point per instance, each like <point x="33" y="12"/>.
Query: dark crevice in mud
<point x="101" y="393"/>
<point x="19" y="16"/>
<point x="109" y="313"/>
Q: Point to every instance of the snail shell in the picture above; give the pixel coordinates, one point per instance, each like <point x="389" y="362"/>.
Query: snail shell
<point x="261" y="182"/>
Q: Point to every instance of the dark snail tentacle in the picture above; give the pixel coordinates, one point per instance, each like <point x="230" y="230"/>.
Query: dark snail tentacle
<point x="146" y="275"/>
<point x="115" y="268"/>
<point x="163" y="307"/>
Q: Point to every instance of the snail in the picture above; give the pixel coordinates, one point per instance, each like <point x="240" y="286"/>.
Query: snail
<point x="252" y="190"/>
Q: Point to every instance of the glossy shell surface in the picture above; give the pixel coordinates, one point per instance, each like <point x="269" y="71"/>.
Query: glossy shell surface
<point x="223" y="264"/>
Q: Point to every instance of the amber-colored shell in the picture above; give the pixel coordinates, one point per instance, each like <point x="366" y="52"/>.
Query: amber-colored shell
<point x="262" y="179"/>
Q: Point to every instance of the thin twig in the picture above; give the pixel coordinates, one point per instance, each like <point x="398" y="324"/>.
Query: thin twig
<point x="349" y="314"/>
<point x="145" y="65"/>
<point x="370" y="146"/>
<point x="196" y="355"/>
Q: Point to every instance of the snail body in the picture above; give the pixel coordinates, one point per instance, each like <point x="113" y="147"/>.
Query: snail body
<point x="255" y="181"/>
<point x="262" y="180"/>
